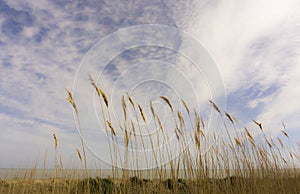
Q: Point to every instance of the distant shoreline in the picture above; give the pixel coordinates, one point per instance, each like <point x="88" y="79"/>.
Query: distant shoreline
<point x="17" y="173"/>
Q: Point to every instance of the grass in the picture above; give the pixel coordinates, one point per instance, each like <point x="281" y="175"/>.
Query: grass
<point x="238" y="162"/>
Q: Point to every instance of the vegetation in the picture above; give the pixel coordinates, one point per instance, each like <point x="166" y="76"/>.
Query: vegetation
<point x="242" y="161"/>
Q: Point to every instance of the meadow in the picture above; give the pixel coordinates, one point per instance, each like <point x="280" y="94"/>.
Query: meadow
<point x="241" y="160"/>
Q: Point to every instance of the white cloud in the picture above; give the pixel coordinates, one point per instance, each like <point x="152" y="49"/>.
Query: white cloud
<point x="284" y="107"/>
<point x="228" y="28"/>
<point x="254" y="43"/>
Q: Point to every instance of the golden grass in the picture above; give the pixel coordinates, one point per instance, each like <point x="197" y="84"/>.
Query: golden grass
<point x="237" y="163"/>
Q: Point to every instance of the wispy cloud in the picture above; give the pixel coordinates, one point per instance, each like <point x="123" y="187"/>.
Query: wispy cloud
<point x="255" y="45"/>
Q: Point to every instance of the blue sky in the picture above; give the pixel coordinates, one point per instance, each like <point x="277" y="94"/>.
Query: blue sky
<point x="255" y="45"/>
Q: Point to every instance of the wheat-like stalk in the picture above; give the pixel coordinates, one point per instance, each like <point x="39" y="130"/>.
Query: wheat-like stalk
<point x="258" y="124"/>
<point x="111" y="128"/>
<point x="167" y="101"/>
<point x="142" y="113"/>
<point x="71" y="100"/>
<point x="229" y="117"/>
<point x="215" y="106"/>
<point x="284" y="133"/>
<point x="55" y="140"/>
<point x="124" y="108"/>
<point x="79" y="154"/>
<point x="240" y="154"/>
<point x="185" y="106"/>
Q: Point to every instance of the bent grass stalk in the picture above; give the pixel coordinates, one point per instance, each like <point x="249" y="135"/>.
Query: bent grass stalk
<point x="100" y="94"/>
<point x="140" y="130"/>
<point x="240" y="162"/>
<point x="72" y="102"/>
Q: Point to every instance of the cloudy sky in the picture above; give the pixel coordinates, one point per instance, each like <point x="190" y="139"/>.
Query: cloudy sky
<point x="47" y="46"/>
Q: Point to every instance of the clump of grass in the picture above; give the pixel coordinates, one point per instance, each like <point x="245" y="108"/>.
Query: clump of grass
<point x="239" y="162"/>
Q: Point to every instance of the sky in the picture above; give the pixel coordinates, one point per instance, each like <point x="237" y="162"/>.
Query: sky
<point x="251" y="48"/>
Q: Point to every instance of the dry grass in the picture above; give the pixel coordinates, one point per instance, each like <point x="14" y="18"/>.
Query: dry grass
<point x="240" y="162"/>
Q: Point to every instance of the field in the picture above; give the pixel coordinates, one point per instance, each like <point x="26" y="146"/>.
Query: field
<point x="242" y="161"/>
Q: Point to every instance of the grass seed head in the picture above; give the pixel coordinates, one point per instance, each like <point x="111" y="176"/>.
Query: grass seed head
<point x="185" y="106"/>
<point x="71" y="100"/>
<point x="280" y="142"/>
<point x="197" y="141"/>
<point x="237" y="141"/>
<point x="98" y="90"/>
<point x="203" y="123"/>
<point x="130" y="100"/>
<point x="55" y="140"/>
<point x="250" y="137"/>
<point x="126" y="138"/>
<point x="167" y="101"/>
<point x="229" y="117"/>
<point x="111" y="128"/>
<point x="104" y="98"/>
<point x="180" y="118"/>
<point x="79" y="155"/>
<point x="142" y="113"/>
<point x="285" y="133"/>
<point x="258" y="124"/>
<point x="124" y="107"/>
<point x="133" y="129"/>
<point x="215" y="106"/>
<point x="269" y="143"/>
